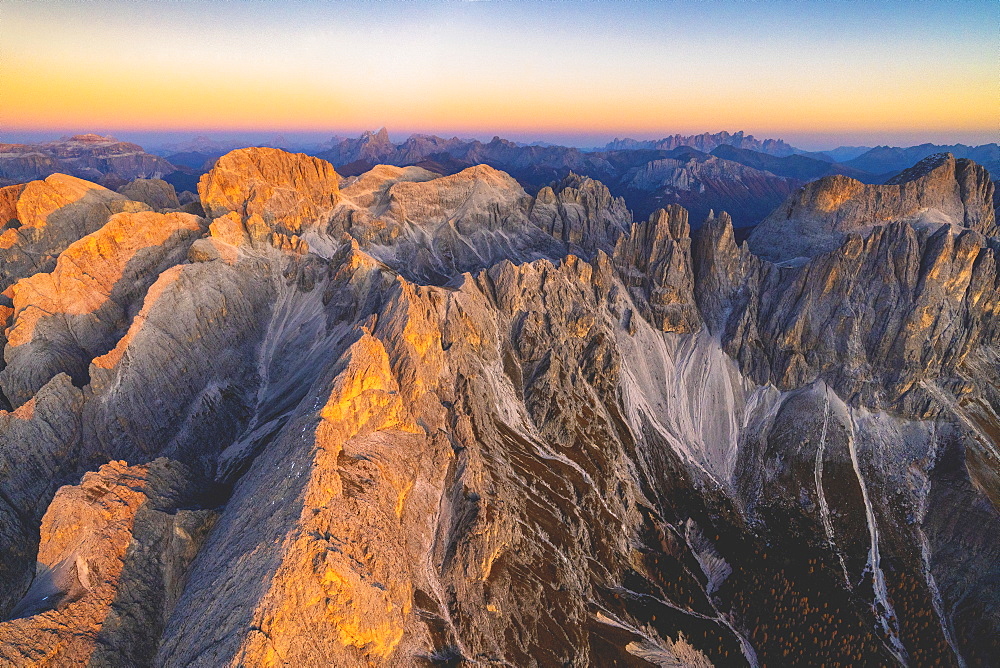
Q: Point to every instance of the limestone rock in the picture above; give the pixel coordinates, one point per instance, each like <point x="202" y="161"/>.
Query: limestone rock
<point x="434" y="228"/>
<point x="654" y="262"/>
<point x="157" y="193"/>
<point x="369" y="189"/>
<point x="42" y="445"/>
<point x="582" y="213"/>
<point x="111" y="550"/>
<point x="289" y="192"/>
<point x="8" y="206"/>
<point x="63" y="319"/>
<point x="939" y="190"/>
<point x="51" y="215"/>
<point x="445" y="422"/>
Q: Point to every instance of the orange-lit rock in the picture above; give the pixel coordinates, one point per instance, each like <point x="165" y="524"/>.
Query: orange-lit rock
<point x="940" y="190"/>
<point x="290" y="192"/>
<point x="65" y="318"/>
<point x="8" y="205"/>
<point x="51" y="215"/>
<point x="106" y="543"/>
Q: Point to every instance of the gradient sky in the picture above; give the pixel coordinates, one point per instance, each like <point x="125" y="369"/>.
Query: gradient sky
<point x="818" y="74"/>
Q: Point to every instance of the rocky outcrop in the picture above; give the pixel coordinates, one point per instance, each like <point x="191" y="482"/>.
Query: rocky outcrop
<point x="426" y="226"/>
<point x="369" y="189"/>
<point x="442" y="421"/>
<point x="859" y="316"/>
<point x="286" y="192"/>
<point x="582" y="213"/>
<point x="50" y="215"/>
<point x="654" y="263"/>
<point x="939" y="190"/>
<point x="8" y="206"/>
<point x="157" y="193"/>
<point x="63" y="319"/>
<point x="21" y="163"/>
<point x="111" y="562"/>
<point x="431" y="229"/>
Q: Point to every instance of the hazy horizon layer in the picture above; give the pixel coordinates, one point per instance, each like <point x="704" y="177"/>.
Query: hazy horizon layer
<point x="157" y="140"/>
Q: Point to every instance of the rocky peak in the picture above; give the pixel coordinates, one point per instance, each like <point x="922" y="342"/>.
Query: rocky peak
<point x="369" y="189"/>
<point x="582" y="213"/>
<point x="932" y="162"/>
<point x="51" y="214"/>
<point x="937" y="191"/>
<point x="157" y="193"/>
<point x="653" y="261"/>
<point x="288" y="192"/>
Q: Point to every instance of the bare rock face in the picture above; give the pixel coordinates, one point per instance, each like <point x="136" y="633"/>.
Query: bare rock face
<point x="286" y="191"/>
<point x="939" y="190"/>
<point x="110" y="554"/>
<point x="369" y="189"/>
<point x="63" y="319"/>
<point x="859" y="316"/>
<point x="42" y="439"/>
<point x="434" y="228"/>
<point x="157" y="193"/>
<point x="654" y="262"/>
<point x="582" y="213"/>
<point x="21" y="163"/>
<point x="50" y="215"/>
<point x="432" y="420"/>
<point x="8" y="206"/>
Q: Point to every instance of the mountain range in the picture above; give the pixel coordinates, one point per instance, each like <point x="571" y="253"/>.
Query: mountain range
<point x="89" y="156"/>
<point x="420" y="415"/>
<point x="735" y="172"/>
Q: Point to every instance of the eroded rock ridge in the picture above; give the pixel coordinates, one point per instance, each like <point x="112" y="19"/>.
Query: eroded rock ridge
<point x="412" y="419"/>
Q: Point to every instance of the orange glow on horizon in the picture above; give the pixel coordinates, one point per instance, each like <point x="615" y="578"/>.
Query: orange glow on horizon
<point x="71" y="68"/>
<point x="38" y="100"/>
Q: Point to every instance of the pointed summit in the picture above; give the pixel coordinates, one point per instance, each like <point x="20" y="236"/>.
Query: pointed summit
<point x="380" y="136"/>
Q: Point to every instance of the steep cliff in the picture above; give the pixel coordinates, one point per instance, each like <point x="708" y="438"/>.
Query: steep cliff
<point x="101" y="159"/>
<point x="938" y="190"/>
